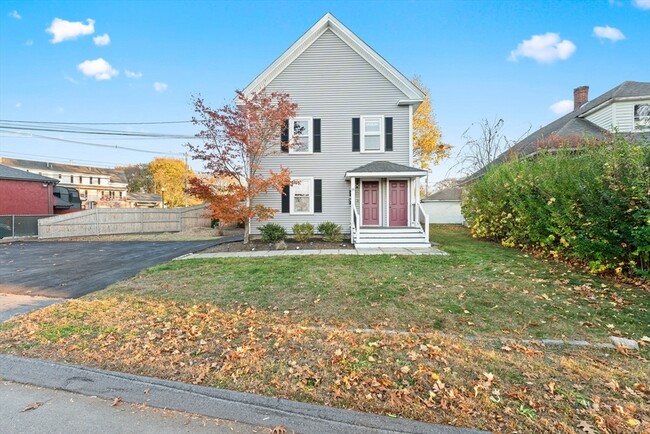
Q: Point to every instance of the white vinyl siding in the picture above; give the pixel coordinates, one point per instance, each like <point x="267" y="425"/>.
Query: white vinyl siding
<point x="618" y="115"/>
<point x="603" y="118"/>
<point x="331" y="82"/>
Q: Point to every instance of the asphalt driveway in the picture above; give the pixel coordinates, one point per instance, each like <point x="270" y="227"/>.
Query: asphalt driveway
<point x="63" y="269"/>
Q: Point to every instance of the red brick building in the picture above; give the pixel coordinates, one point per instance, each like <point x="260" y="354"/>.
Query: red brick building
<point x="24" y="193"/>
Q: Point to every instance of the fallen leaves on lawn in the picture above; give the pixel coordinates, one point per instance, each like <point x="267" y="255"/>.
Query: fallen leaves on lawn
<point x="500" y="387"/>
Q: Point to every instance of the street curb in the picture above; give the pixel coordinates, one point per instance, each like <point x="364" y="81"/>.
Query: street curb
<point x="217" y="403"/>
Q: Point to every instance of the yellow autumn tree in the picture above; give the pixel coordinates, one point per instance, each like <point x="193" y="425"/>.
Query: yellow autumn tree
<point x="428" y="147"/>
<point x="172" y="174"/>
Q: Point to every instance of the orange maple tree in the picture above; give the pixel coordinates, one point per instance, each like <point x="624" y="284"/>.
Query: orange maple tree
<point x="236" y="138"/>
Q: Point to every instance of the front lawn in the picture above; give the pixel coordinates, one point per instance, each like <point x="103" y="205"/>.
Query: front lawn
<point x="254" y="325"/>
<point x="479" y="289"/>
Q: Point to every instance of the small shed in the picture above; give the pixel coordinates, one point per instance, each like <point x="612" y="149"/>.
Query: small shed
<point x="443" y="206"/>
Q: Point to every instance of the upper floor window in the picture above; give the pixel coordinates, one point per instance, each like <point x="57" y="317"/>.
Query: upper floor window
<point x="71" y="178"/>
<point x="302" y="196"/>
<point x="81" y="180"/>
<point x="301" y="131"/>
<point x="372" y="134"/>
<point x="642" y="117"/>
<point x="99" y="181"/>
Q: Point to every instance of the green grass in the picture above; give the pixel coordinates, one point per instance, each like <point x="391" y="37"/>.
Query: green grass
<point x="480" y="289"/>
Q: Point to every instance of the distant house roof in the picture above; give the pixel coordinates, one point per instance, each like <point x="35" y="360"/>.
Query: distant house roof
<point x="144" y="197"/>
<point x="7" y="172"/>
<point x="450" y="193"/>
<point x="573" y="124"/>
<point x="385" y="168"/>
<point x="115" y="175"/>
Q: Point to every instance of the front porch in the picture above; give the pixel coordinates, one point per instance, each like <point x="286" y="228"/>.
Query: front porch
<point x="385" y="209"/>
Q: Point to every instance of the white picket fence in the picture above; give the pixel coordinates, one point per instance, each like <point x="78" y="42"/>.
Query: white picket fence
<point x="114" y="221"/>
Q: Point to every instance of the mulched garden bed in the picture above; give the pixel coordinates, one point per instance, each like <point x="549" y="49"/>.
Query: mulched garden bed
<point x="256" y="245"/>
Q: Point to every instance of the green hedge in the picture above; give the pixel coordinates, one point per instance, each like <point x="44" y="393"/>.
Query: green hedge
<point x="590" y="205"/>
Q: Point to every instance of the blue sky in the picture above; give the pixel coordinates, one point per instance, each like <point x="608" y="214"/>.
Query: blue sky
<point x="140" y="61"/>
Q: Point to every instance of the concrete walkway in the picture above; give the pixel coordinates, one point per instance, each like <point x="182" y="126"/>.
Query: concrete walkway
<point x="245" y="409"/>
<point x="366" y="251"/>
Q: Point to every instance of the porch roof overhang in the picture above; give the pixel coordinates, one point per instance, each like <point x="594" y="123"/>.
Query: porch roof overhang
<point x="385" y="169"/>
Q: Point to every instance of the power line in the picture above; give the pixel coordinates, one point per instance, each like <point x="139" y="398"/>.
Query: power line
<point x="124" y="148"/>
<point x="101" y="123"/>
<point x="91" y="132"/>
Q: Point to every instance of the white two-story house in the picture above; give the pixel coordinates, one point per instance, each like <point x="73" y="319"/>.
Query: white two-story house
<point x="354" y="159"/>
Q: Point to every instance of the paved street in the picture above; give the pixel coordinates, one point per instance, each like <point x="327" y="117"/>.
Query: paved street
<point x="62" y="269"/>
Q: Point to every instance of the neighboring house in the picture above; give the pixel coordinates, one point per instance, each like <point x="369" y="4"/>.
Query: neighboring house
<point x="24" y="193"/>
<point x="443" y="206"/>
<point x="625" y="109"/>
<point x="354" y="159"/>
<point x="95" y="185"/>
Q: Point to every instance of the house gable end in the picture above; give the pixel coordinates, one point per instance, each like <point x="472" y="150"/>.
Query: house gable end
<point x="412" y="94"/>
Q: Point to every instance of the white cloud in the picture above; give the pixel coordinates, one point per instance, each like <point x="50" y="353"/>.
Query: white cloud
<point x="160" y="87"/>
<point x="19" y="104"/>
<point x="132" y="74"/>
<point x="546" y="48"/>
<point x="62" y="29"/>
<point x="15" y="15"/>
<point x="562" y="107"/>
<point x="102" y="40"/>
<point x="606" y="32"/>
<point x="642" y="4"/>
<point x="29" y="42"/>
<point x="60" y="109"/>
<point x="98" y="68"/>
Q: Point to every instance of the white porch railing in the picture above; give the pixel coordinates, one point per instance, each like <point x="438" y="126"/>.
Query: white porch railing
<point x="423" y="218"/>
<point x="355" y="225"/>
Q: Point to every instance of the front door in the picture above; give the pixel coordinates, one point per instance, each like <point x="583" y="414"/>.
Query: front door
<point x="398" y="203"/>
<point x="370" y="201"/>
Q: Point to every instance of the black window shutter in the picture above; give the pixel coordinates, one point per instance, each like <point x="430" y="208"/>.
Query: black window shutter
<point x="284" y="138"/>
<point x="318" y="195"/>
<point x="356" y="138"/>
<point x="316" y="135"/>
<point x="388" y="134"/>
<point x="285" y="198"/>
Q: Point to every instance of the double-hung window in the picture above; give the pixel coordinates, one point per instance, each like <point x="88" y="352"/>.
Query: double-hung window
<point x="301" y="133"/>
<point x="372" y="134"/>
<point x="642" y="117"/>
<point x="302" y="196"/>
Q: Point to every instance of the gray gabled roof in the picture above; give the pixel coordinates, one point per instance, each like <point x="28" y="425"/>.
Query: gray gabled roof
<point x="385" y="168"/>
<point x="450" y="193"/>
<point x="7" y="172"/>
<point x="143" y="197"/>
<point x="116" y="175"/>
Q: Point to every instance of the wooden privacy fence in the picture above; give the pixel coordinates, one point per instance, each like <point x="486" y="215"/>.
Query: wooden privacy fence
<point x="112" y="221"/>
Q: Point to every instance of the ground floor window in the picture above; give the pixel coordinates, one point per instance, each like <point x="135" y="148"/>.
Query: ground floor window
<point x="302" y="196"/>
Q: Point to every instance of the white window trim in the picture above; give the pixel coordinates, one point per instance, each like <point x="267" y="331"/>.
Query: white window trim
<point x="363" y="135"/>
<point x="634" y="128"/>
<point x="310" y="122"/>
<point x="302" y="179"/>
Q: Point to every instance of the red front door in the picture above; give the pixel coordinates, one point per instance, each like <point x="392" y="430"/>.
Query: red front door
<point x="370" y="200"/>
<point x="398" y="204"/>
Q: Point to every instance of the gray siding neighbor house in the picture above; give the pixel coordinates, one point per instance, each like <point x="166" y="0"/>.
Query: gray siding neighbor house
<point x="355" y="160"/>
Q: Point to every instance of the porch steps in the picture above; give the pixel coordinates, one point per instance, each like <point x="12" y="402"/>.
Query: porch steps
<point x="413" y="237"/>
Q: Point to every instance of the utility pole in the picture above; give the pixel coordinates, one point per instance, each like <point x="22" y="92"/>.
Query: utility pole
<point x="187" y="168"/>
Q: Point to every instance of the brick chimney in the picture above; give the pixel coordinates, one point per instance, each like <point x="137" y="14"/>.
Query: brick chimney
<point x="580" y="96"/>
